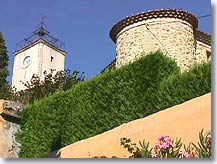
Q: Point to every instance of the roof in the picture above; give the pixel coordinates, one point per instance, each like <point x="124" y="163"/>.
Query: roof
<point x="109" y="66"/>
<point x="41" y="33"/>
<point x="203" y="37"/>
<point x="162" y="13"/>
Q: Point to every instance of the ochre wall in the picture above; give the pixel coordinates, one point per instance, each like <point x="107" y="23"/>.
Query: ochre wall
<point x="185" y="120"/>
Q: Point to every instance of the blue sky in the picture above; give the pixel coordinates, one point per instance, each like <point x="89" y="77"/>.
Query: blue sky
<point x="83" y="25"/>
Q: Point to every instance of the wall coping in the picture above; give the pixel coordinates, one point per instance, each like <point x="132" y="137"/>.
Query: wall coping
<point x="11" y="111"/>
<point x="162" y="13"/>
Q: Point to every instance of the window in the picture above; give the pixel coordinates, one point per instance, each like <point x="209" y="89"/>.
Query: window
<point x="208" y="54"/>
<point x="51" y="58"/>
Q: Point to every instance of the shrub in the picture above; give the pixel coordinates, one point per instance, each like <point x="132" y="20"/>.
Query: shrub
<point x="114" y="98"/>
<point x="179" y="88"/>
<point x="52" y="82"/>
<point x="106" y="101"/>
<point x="41" y="127"/>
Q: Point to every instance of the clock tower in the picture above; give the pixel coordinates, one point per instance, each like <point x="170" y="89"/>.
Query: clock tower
<point x="38" y="53"/>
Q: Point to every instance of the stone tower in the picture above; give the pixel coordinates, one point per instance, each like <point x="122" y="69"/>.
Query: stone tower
<point x="172" y="31"/>
<point x="38" y="53"/>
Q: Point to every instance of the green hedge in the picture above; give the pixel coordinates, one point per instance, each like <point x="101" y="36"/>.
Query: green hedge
<point x="181" y="87"/>
<point x="114" y="98"/>
<point x="41" y="127"/>
<point x="108" y="100"/>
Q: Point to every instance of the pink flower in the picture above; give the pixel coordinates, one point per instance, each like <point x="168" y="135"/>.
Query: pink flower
<point x="162" y="138"/>
<point x="186" y="155"/>
<point x="209" y="139"/>
<point x="154" y="155"/>
<point x="164" y="142"/>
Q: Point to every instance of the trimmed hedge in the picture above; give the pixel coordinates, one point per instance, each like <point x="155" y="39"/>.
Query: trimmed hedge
<point x="181" y="87"/>
<point x="114" y="98"/>
<point x="108" y="100"/>
<point x="41" y="127"/>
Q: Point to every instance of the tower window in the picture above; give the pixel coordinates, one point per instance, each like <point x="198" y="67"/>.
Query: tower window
<point x="208" y="54"/>
<point x="51" y="58"/>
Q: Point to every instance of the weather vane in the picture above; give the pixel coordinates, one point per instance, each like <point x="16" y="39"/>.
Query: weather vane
<point x="43" y="18"/>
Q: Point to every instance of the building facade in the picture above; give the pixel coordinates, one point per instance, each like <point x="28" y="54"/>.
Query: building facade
<point x="175" y="32"/>
<point x="36" y="54"/>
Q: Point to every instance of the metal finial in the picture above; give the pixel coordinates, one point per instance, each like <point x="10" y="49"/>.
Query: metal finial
<point x="43" y="18"/>
<point x="42" y="31"/>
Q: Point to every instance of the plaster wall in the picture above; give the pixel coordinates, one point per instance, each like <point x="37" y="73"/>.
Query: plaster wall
<point x="41" y="54"/>
<point x="51" y="59"/>
<point x="22" y="74"/>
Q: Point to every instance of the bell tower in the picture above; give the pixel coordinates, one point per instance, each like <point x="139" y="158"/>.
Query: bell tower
<point x="38" y="53"/>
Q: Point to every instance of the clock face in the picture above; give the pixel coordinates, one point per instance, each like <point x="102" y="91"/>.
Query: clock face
<point x="26" y="61"/>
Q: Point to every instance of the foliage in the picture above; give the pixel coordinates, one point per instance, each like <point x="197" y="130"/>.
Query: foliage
<point x="106" y="101"/>
<point x="203" y="147"/>
<point x="42" y="131"/>
<point x="37" y="89"/>
<point x="4" y="72"/>
<point x="179" y="88"/>
<point x="114" y="98"/>
<point x="136" y="151"/>
<point x="167" y="148"/>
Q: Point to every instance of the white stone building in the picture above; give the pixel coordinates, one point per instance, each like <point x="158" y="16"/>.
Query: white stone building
<point x="36" y="54"/>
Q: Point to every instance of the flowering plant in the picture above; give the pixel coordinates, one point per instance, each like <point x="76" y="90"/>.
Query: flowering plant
<point x="203" y="148"/>
<point x="167" y="148"/>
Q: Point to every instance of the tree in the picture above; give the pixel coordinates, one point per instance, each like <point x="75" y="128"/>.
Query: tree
<point x="4" y="72"/>
<point x="38" y="88"/>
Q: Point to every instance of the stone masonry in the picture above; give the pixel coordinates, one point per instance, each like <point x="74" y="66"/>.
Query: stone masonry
<point x="9" y="126"/>
<point x="172" y="31"/>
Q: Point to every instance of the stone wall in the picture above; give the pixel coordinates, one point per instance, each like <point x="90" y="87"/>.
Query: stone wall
<point x="172" y="36"/>
<point x="172" y="31"/>
<point x="9" y="148"/>
<point x="203" y="52"/>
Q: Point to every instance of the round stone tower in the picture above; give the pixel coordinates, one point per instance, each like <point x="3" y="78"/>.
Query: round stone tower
<point x="169" y="30"/>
